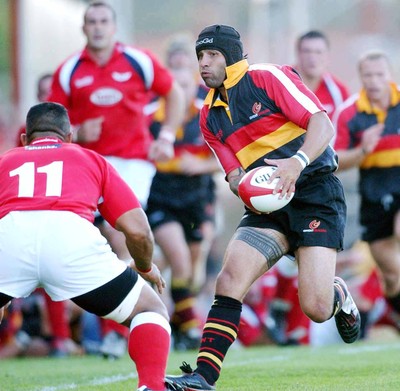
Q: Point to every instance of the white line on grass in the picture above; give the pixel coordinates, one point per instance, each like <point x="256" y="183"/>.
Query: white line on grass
<point x="370" y="348"/>
<point x="96" y="382"/>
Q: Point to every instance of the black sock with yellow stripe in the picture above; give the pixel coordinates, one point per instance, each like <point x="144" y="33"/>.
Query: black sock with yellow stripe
<point x="219" y="333"/>
<point x="184" y="316"/>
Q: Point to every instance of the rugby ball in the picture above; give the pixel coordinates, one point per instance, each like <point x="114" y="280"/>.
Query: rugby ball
<point x="257" y="194"/>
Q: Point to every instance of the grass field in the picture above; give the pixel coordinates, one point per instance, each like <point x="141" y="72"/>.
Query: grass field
<point x="360" y="366"/>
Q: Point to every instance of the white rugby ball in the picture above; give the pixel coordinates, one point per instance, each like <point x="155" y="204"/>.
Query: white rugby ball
<point x="257" y="194"/>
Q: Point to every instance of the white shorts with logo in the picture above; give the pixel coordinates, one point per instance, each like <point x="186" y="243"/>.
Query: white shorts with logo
<point x="57" y="250"/>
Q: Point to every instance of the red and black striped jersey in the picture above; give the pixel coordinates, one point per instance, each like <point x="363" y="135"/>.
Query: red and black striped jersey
<point x="379" y="167"/>
<point x="266" y="117"/>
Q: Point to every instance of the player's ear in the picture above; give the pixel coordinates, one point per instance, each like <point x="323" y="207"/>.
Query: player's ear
<point x="68" y="137"/>
<point x="24" y="139"/>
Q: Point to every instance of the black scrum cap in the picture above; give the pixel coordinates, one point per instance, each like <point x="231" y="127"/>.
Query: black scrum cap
<point x="223" y="38"/>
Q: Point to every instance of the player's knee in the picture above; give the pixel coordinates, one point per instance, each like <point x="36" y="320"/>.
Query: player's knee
<point x="228" y="284"/>
<point x="317" y="310"/>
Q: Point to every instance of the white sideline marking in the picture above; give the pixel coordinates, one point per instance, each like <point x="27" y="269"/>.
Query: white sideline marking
<point x="372" y="348"/>
<point x="96" y="382"/>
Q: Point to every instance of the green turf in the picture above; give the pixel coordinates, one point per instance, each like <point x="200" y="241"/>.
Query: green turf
<point x="360" y="366"/>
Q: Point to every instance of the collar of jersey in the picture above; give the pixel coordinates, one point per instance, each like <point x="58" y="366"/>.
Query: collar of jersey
<point x="118" y="48"/>
<point x="233" y="74"/>
<point x="364" y="105"/>
<point x="46" y="140"/>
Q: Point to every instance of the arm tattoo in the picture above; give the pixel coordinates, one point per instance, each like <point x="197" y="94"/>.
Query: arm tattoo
<point x="234" y="179"/>
<point x="271" y="246"/>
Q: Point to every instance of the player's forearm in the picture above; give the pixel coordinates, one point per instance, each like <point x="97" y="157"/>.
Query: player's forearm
<point x="319" y="134"/>
<point x="174" y="111"/>
<point x="138" y="237"/>
<point x="234" y="178"/>
<point x="141" y="250"/>
<point x="350" y="158"/>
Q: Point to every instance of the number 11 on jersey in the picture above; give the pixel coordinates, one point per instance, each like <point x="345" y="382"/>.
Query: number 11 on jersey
<point x="27" y="174"/>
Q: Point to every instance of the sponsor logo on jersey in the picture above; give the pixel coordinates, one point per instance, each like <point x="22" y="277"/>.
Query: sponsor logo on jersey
<point x="121" y="76"/>
<point x="84" y="81"/>
<point x="106" y="97"/>
<point x="314" y="227"/>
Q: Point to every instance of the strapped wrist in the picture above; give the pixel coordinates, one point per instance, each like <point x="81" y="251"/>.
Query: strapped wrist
<point x="145" y="271"/>
<point x="302" y="158"/>
<point x="166" y="135"/>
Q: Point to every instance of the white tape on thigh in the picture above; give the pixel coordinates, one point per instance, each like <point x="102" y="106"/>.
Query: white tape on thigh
<point x="123" y="311"/>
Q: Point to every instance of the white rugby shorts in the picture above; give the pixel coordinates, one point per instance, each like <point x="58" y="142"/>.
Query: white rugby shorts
<point x="137" y="173"/>
<point x="57" y="250"/>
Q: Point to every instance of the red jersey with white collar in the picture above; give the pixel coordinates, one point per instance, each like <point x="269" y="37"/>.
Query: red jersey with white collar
<point x="116" y="91"/>
<point x="52" y="175"/>
<point x="331" y="93"/>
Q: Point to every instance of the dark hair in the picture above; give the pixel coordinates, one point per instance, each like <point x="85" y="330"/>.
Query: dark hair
<point x="100" y="4"/>
<point x="48" y="118"/>
<point x="312" y="34"/>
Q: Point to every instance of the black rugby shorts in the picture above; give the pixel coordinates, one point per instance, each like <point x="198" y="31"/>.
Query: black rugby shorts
<point x="316" y="216"/>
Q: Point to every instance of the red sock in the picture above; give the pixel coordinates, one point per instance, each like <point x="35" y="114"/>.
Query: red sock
<point x="149" y="344"/>
<point x="108" y="325"/>
<point x="57" y="318"/>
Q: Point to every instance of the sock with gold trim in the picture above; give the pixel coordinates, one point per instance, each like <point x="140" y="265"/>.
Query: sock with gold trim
<point x="184" y="316"/>
<point x="219" y="333"/>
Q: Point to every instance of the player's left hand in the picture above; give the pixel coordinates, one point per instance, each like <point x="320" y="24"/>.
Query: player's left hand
<point x="161" y="151"/>
<point x="288" y="171"/>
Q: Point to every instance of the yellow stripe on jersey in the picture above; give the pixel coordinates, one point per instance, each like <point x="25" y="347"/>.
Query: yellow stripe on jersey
<point x="268" y="143"/>
<point x="212" y="357"/>
<point x="382" y="159"/>
<point x="217" y="326"/>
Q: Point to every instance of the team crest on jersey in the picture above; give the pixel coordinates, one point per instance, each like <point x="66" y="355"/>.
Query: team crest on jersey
<point x="121" y="76"/>
<point x="255" y="109"/>
<point x="84" y="81"/>
<point x="106" y="97"/>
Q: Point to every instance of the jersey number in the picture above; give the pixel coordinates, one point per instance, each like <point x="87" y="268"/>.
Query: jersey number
<point x="27" y="173"/>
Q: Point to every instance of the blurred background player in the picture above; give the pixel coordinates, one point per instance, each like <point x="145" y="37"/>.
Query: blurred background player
<point x="312" y="62"/>
<point x="105" y="88"/>
<point x="368" y="138"/>
<point x="182" y="200"/>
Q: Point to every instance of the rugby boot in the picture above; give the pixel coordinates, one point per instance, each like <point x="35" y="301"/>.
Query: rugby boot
<point x="348" y="320"/>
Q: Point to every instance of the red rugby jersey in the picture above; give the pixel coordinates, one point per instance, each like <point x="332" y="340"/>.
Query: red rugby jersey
<point x="51" y="175"/>
<point x="117" y="91"/>
<point x="331" y="93"/>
